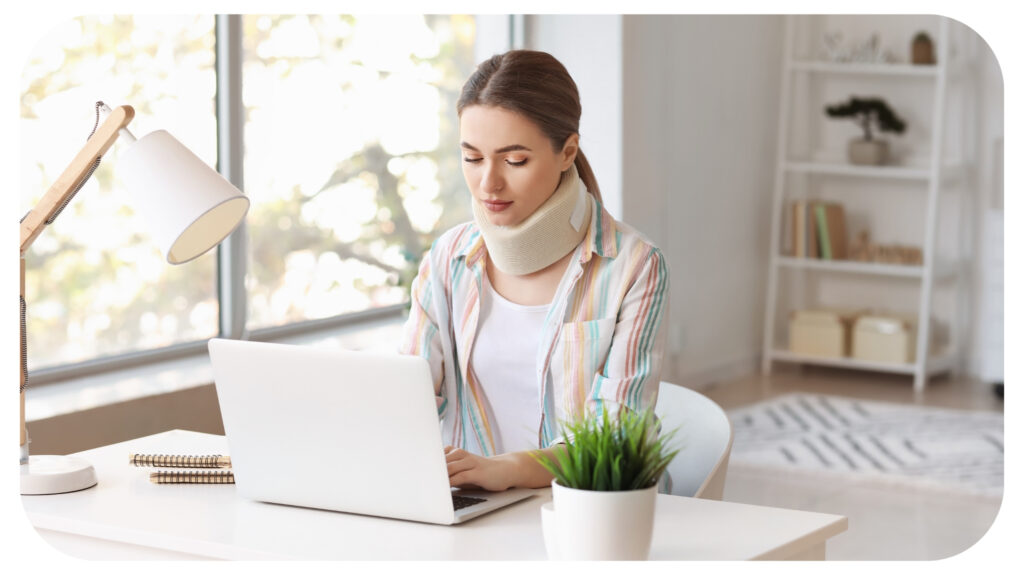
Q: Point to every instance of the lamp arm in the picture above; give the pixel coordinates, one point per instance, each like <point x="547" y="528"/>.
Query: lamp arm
<point x="73" y="175"/>
<point x="58" y="194"/>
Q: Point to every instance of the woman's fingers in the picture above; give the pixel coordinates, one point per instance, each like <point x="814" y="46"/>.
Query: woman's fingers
<point x="465" y="479"/>
<point x="454" y="454"/>
<point x="473" y="471"/>
<point x="459" y="465"/>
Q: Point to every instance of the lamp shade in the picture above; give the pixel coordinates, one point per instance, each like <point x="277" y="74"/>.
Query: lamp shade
<point x="188" y="206"/>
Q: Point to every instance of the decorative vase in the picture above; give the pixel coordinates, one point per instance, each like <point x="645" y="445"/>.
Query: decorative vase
<point x="922" y="51"/>
<point x="868" y="152"/>
<point x="598" y="525"/>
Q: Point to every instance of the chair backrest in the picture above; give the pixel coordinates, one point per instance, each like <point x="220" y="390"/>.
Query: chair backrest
<point x="705" y="438"/>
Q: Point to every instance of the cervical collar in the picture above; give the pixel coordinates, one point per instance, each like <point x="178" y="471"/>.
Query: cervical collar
<point x="543" y="238"/>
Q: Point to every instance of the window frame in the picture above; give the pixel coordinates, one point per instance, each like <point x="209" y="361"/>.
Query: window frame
<point x="504" y="32"/>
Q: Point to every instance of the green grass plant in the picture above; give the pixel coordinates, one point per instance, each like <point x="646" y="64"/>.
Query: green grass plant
<point x="620" y="453"/>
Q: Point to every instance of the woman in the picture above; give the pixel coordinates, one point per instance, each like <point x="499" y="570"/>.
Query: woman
<point x="543" y="309"/>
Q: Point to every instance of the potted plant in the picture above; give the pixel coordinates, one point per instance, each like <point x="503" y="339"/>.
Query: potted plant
<point x="868" y="112"/>
<point x="604" y="487"/>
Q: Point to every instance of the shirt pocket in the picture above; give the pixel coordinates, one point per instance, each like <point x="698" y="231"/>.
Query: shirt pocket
<point x="584" y="350"/>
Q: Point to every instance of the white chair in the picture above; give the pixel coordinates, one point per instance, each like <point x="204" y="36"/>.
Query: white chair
<point x="705" y="436"/>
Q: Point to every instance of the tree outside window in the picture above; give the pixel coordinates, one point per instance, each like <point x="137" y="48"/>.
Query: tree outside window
<point x="351" y="156"/>
<point x="351" y="160"/>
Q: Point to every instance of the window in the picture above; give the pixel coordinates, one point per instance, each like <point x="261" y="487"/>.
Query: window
<point x="350" y="159"/>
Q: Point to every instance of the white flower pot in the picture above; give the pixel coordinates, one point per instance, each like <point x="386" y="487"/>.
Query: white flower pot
<point x="598" y="525"/>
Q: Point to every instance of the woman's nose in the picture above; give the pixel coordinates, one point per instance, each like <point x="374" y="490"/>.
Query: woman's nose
<point x="491" y="180"/>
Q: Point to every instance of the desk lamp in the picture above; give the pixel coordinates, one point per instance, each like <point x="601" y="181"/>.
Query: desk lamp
<point x="189" y="207"/>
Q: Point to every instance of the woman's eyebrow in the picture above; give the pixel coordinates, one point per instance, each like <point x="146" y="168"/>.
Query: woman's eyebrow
<point x="512" y="148"/>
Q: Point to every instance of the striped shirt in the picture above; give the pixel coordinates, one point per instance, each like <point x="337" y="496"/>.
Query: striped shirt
<point x="601" y="346"/>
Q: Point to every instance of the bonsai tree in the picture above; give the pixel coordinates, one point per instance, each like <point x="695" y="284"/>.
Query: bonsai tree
<point x="868" y="112"/>
<point x="620" y="454"/>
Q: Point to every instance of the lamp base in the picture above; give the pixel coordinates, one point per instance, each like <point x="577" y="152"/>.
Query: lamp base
<point x="50" y="474"/>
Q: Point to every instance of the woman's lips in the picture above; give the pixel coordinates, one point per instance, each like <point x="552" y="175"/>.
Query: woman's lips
<point x="495" y="206"/>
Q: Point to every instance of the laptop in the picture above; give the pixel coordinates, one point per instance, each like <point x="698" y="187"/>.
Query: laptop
<point x="351" y="431"/>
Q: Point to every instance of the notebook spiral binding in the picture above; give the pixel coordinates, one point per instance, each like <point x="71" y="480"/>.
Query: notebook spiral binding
<point x="202" y="477"/>
<point x="189" y="461"/>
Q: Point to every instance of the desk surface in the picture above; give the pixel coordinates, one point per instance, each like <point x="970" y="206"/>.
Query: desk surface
<point x="213" y="521"/>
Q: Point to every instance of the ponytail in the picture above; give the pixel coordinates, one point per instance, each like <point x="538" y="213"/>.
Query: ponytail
<point x="587" y="175"/>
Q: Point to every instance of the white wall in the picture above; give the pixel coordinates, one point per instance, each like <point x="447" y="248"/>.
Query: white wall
<point x="701" y="99"/>
<point x="985" y="354"/>
<point x="698" y="119"/>
<point x="683" y="144"/>
<point x="493" y="34"/>
<point x="590" y="48"/>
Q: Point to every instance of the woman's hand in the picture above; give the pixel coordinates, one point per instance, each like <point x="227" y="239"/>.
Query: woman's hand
<point x="473" y="471"/>
<point x="497" y="473"/>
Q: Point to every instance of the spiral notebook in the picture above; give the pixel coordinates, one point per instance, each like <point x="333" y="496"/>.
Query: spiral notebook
<point x="192" y="477"/>
<point x="190" y="469"/>
<point x="364" y="425"/>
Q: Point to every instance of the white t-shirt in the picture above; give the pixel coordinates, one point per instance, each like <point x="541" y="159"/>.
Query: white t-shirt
<point x="504" y="361"/>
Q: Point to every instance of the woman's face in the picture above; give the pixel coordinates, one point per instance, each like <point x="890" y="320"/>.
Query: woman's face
<point x="509" y="164"/>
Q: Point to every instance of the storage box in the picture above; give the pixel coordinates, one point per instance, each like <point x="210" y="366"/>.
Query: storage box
<point x="890" y="339"/>
<point x="821" y="332"/>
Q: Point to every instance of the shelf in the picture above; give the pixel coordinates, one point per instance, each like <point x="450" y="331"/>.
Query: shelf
<point x="943" y="270"/>
<point x="936" y="364"/>
<point x="852" y="267"/>
<point x="921" y="174"/>
<point x="891" y="172"/>
<point x="907" y="70"/>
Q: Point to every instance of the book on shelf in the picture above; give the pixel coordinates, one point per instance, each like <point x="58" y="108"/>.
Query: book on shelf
<point x="798" y="229"/>
<point x="837" y="227"/>
<point x="814" y="239"/>
<point x="803" y="230"/>
<point x="787" y="245"/>
<point x="822" y="223"/>
<point x="817" y="230"/>
<point x="831" y="221"/>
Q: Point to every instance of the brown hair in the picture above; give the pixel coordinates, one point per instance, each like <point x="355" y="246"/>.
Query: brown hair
<point x="537" y="86"/>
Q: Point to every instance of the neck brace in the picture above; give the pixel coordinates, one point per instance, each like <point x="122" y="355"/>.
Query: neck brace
<point x="546" y="236"/>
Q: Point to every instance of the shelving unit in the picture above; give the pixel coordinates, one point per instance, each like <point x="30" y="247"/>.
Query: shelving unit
<point x="800" y="73"/>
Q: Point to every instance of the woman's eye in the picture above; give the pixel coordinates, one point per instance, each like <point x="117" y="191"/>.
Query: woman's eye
<point x="519" y="163"/>
<point x="471" y="160"/>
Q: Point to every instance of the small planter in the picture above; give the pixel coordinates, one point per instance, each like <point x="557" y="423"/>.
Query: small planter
<point x="868" y="152"/>
<point x="604" y="487"/>
<point x="599" y="525"/>
<point x="870" y="114"/>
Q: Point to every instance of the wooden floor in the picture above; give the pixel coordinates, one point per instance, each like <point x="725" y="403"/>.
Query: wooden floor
<point x="885" y="522"/>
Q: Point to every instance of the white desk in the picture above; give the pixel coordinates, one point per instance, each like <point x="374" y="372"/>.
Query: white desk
<point x="126" y="516"/>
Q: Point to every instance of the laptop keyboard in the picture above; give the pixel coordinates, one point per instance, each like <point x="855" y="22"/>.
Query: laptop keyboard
<point x="462" y="501"/>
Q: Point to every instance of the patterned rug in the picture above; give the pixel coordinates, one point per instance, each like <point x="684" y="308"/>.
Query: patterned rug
<point x="922" y="447"/>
